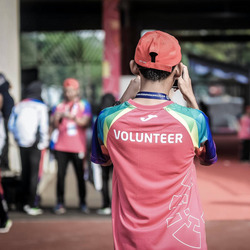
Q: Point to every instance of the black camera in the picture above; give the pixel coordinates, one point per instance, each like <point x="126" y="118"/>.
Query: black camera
<point x="175" y="85"/>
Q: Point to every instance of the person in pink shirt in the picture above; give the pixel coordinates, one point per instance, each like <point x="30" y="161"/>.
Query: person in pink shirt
<point x="244" y="134"/>
<point x="71" y="118"/>
<point x="152" y="142"/>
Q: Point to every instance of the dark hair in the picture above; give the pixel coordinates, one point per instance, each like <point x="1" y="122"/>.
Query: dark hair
<point x="108" y="100"/>
<point x="33" y="90"/>
<point x="154" y="74"/>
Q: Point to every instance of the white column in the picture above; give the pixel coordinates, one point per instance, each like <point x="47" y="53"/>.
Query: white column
<point x="9" y="44"/>
<point x="10" y="63"/>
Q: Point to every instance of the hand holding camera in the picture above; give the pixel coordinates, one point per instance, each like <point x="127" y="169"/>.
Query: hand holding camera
<point x="185" y="86"/>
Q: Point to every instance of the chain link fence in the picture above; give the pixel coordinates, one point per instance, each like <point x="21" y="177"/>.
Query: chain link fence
<point x="59" y="55"/>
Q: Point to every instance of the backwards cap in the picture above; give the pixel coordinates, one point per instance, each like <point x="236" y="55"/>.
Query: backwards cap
<point x="71" y="82"/>
<point x="158" y="50"/>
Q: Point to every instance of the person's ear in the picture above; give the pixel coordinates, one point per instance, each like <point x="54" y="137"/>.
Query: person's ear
<point x="134" y="68"/>
<point x="178" y="70"/>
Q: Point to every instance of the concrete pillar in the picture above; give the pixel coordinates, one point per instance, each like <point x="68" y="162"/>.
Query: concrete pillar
<point x="9" y="44"/>
<point x="112" y="47"/>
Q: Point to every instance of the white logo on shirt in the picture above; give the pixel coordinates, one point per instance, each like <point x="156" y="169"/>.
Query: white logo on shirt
<point x="148" y="137"/>
<point x="148" y="118"/>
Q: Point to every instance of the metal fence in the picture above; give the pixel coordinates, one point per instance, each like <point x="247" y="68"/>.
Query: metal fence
<point x="58" y="55"/>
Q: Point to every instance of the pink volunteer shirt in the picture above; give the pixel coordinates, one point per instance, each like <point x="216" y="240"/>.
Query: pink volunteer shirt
<point x="244" y="132"/>
<point x="71" y="137"/>
<point x="155" y="200"/>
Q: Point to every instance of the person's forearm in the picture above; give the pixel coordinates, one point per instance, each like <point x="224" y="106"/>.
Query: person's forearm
<point x="185" y="86"/>
<point x="126" y="96"/>
<point x="132" y="90"/>
<point x="192" y="103"/>
<point x="82" y="121"/>
<point x="56" y="122"/>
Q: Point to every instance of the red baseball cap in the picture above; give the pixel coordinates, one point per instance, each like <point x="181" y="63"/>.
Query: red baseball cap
<point x="158" y="50"/>
<point x="71" y="82"/>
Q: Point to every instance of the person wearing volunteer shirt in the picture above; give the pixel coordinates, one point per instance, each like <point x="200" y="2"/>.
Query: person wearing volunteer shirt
<point x="151" y="142"/>
<point x="29" y="124"/>
<point x="71" y="118"/>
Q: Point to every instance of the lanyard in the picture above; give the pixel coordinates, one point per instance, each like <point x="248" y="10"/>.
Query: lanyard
<point x="152" y="95"/>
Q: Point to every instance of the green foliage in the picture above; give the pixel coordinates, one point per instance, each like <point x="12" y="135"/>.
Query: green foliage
<point x="59" y="55"/>
<point x="230" y="52"/>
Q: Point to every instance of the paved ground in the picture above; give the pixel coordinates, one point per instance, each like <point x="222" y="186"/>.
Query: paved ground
<point x="224" y="190"/>
<point x="91" y="233"/>
<point x="225" y="186"/>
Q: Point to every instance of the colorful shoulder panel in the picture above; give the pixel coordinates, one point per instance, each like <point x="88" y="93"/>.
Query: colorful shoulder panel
<point x="85" y="107"/>
<point x="196" y="123"/>
<point x="104" y="121"/>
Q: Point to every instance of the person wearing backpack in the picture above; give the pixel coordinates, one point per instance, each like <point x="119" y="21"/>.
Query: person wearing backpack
<point x="29" y="124"/>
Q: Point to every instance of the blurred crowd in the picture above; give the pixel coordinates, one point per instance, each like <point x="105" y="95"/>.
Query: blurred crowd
<point x="49" y="137"/>
<point x="46" y="136"/>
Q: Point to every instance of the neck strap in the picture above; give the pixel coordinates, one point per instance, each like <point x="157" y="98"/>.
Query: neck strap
<point x="152" y="95"/>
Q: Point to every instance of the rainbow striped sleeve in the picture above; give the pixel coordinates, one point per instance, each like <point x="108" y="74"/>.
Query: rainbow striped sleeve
<point x="101" y="128"/>
<point x="196" y="123"/>
<point x="85" y="105"/>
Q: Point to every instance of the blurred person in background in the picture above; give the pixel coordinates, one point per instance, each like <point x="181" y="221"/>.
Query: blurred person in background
<point x="30" y="126"/>
<point x="244" y="135"/>
<point x="5" y="222"/>
<point x="107" y="100"/>
<point x="7" y="105"/>
<point x="71" y="117"/>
